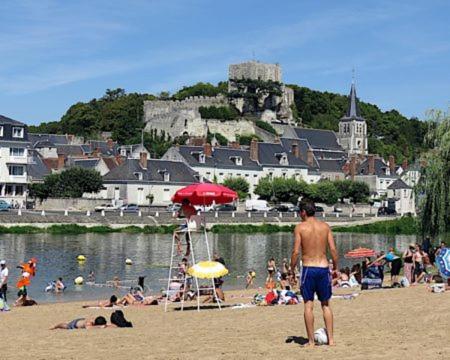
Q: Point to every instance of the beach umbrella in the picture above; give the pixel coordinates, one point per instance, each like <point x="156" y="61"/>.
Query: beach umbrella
<point x="205" y="194"/>
<point x="360" y="253"/>
<point x="208" y="270"/>
<point x="443" y="262"/>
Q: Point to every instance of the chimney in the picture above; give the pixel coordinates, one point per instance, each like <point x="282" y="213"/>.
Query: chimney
<point x="235" y="145"/>
<point x="295" y="150"/>
<point x="254" y="150"/>
<point x="371" y="160"/>
<point x="143" y="160"/>
<point x="119" y="159"/>
<point x="207" y="150"/>
<point x="310" y="157"/>
<point x="110" y="143"/>
<point x="353" y="167"/>
<point x="61" y="161"/>
<point x="405" y="164"/>
<point x="277" y="139"/>
<point x="392" y="164"/>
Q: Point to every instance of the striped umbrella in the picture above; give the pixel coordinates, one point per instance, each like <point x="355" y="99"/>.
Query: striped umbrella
<point x="360" y="253"/>
<point x="443" y="262"/>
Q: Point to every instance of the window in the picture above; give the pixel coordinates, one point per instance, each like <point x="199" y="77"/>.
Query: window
<point x="16" y="170"/>
<point x="19" y="190"/>
<point x="201" y="158"/>
<point x="9" y="189"/>
<point x="166" y="176"/>
<point x="1" y="130"/>
<point x="138" y="175"/>
<point x="247" y="175"/>
<point x="255" y="175"/>
<point x="220" y="174"/>
<point x="16" y="152"/>
<point x="17" y="132"/>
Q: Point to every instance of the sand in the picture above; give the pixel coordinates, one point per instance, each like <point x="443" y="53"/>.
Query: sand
<point x="396" y="324"/>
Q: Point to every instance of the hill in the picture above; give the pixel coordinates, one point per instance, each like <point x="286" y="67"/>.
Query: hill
<point x="121" y="114"/>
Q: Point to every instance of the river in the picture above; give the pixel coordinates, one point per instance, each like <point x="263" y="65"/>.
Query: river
<point x="106" y="254"/>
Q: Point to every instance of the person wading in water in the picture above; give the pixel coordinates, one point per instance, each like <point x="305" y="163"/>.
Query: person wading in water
<point x="313" y="237"/>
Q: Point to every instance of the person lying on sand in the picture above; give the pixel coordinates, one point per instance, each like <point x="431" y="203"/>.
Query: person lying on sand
<point x="135" y="297"/>
<point x="104" y="304"/>
<point x="98" y="323"/>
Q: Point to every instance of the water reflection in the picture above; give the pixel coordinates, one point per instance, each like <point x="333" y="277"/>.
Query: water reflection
<point x="106" y="256"/>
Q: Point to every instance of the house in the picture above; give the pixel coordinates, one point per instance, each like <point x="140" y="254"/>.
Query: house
<point x="136" y="179"/>
<point x="98" y="164"/>
<point x="403" y="196"/>
<point x="218" y="163"/>
<point x="14" y="146"/>
<point x="132" y="151"/>
<point x="376" y="173"/>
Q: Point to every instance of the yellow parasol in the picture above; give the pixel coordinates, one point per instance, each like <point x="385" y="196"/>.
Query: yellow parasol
<point x="208" y="270"/>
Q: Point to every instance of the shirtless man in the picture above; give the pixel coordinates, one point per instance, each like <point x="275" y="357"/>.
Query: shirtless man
<point x="313" y="237"/>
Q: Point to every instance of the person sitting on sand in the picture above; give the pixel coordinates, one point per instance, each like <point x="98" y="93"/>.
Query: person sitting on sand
<point x="98" y="323"/>
<point x="284" y="283"/>
<point x="104" y="304"/>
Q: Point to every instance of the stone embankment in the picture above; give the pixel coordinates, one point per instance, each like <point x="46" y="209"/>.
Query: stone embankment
<point x="155" y="218"/>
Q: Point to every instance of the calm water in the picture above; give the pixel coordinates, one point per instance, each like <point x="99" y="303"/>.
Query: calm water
<point x="106" y="255"/>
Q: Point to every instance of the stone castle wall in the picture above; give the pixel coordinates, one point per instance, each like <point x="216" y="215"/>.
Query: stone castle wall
<point x="255" y="70"/>
<point x="158" y="107"/>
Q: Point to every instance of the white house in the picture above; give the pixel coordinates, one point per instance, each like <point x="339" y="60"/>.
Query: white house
<point x="403" y="195"/>
<point x="13" y="159"/>
<point x="134" y="180"/>
<point x="377" y="174"/>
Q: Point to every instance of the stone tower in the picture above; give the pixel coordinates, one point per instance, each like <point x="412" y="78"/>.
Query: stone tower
<point x="353" y="128"/>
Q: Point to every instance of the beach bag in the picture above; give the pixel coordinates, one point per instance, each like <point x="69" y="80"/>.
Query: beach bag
<point x="404" y="282"/>
<point x="118" y="319"/>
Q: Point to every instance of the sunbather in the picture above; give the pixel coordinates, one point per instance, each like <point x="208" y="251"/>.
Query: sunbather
<point x="104" y="304"/>
<point x="135" y="297"/>
<point x="82" y="323"/>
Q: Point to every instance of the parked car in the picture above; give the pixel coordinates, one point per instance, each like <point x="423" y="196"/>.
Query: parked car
<point x="384" y="210"/>
<point x="319" y="209"/>
<point x="173" y="207"/>
<point x="256" y="205"/>
<point x="5" y="206"/>
<point x="282" y="207"/>
<point x="130" y="208"/>
<point x="225" y="207"/>
<point x="294" y="208"/>
<point x="106" y="208"/>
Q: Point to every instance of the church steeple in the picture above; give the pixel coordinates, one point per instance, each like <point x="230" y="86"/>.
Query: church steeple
<point x="353" y="108"/>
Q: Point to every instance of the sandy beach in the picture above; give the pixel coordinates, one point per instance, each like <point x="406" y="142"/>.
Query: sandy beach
<point x="394" y="323"/>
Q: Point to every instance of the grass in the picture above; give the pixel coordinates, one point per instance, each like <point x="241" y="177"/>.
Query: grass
<point x="403" y="226"/>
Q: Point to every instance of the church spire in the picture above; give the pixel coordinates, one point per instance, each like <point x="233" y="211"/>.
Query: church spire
<point x="353" y="109"/>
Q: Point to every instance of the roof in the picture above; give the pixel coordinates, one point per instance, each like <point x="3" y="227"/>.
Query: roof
<point x="222" y="157"/>
<point x="103" y="147"/>
<point x="353" y="112"/>
<point x="110" y="162"/>
<point x="37" y="169"/>
<point x="50" y="163"/>
<point x="331" y="165"/>
<point x="86" y="163"/>
<point x="52" y="138"/>
<point x="319" y="139"/>
<point x="7" y="121"/>
<point x="330" y="155"/>
<point x="267" y="155"/>
<point x="380" y="168"/>
<point x="399" y="184"/>
<point x="179" y="172"/>
<point x="70" y="150"/>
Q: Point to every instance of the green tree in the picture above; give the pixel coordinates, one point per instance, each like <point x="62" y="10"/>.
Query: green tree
<point x="265" y="126"/>
<point x="434" y="185"/>
<point x="201" y="89"/>
<point x="70" y="183"/>
<point x="246" y="139"/>
<point x="238" y="184"/>
<point x="359" y="192"/>
<point x="323" y="191"/>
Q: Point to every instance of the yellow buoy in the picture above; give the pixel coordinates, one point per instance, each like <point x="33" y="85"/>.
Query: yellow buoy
<point x="81" y="258"/>
<point x="129" y="262"/>
<point x="79" y="280"/>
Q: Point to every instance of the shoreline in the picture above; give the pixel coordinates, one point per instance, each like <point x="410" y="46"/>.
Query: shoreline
<point x="396" y="226"/>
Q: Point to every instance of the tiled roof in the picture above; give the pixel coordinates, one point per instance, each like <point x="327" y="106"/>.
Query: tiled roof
<point x="399" y="184"/>
<point x="70" y="150"/>
<point x="37" y="170"/>
<point x="110" y="162"/>
<point x="319" y="139"/>
<point x="179" y="172"/>
<point x="331" y="165"/>
<point x="7" y="121"/>
<point x="267" y="155"/>
<point x="52" y="138"/>
<point x="103" y="147"/>
<point x="380" y="168"/>
<point x="327" y="155"/>
<point x="86" y="163"/>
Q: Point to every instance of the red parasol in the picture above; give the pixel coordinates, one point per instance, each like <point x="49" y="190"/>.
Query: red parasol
<point x="360" y="253"/>
<point x="205" y="194"/>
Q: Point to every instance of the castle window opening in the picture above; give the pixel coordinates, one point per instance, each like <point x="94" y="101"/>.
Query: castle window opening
<point x="185" y="122"/>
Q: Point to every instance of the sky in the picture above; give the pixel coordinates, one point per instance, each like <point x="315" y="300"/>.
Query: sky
<point x="55" y="53"/>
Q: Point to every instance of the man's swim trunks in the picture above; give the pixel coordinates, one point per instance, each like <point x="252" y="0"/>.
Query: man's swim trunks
<point x="315" y="280"/>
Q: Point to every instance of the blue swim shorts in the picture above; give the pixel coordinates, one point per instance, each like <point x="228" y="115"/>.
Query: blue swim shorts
<point x="315" y="280"/>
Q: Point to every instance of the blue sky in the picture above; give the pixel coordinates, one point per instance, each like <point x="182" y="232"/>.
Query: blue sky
<point x="55" y="53"/>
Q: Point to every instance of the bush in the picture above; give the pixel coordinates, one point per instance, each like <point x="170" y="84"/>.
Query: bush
<point x="218" y="112"/>
<point x="265" y="126"/>
<point x="247" y="139"/>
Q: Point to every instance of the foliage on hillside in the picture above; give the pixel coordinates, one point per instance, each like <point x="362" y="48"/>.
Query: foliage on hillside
<point x="218" y="112"/>
<point x="265" y="126"/>
<point x="390" y="133"/>
<point x="122" y="114"/>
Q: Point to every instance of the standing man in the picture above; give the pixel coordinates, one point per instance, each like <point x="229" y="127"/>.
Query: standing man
<point x="4" y="272"/>
<point x="313" y="237"/>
